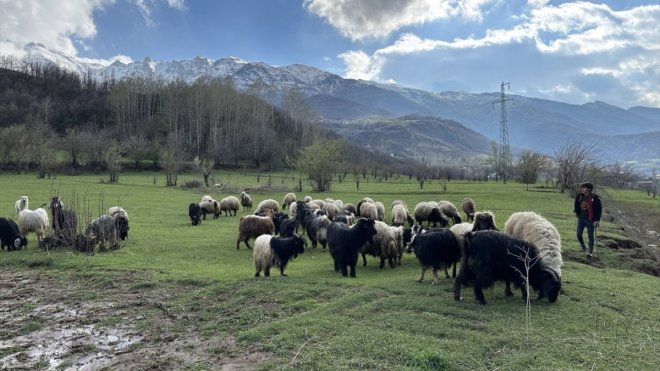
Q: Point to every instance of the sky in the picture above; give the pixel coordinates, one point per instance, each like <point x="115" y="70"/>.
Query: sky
<point x="569" y="51"/>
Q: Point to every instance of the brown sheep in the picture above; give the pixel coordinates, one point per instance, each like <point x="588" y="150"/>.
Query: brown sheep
<point x="253" y="226"/>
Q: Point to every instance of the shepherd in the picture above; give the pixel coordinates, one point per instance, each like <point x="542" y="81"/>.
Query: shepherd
<point x="587" y="209"/>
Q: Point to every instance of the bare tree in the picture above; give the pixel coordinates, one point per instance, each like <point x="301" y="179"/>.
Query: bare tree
<point x="530" y="165"/>
<point x="171" y="159"/>
<point x="205" y="165"/>
<point x="576" y="162"/>
<point x="112" y="160"/>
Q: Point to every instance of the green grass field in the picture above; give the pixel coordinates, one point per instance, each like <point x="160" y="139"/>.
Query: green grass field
<point x="604" y="319"/>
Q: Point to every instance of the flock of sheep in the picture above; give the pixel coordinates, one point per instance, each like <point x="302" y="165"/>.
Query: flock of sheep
<point x="61" y="228"/>
<point x="527" y="253"/>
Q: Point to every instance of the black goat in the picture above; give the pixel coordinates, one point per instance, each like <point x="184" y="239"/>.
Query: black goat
<point x="435" y="249"/>
<point x="345" y="243"/>
<point x="9" y="235"/>
<point x="64" y="222"/>
<point x="276" y="251"/>
<point x="493" y="256"/>
<point x="195" y="213"/>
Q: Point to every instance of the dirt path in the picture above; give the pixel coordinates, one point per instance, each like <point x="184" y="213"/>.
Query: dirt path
<point x="54" y="325"/>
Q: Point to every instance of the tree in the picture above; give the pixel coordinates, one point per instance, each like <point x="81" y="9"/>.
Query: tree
<point x="205" y="165"/>
<point x="529" y="166"/>
<point x="171" y="159"/>
<point x="320" y="161"/>
<point x="76" y="143"/>
<point x="576" y="162"/>
<point x="112" y="161"/>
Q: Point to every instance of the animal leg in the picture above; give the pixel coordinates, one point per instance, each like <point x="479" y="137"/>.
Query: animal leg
<point x="446" y="273"/>
<point x="479" y="293"/>
<point x="344" y="270"/>
<point x="364" y="260"/>
<point x="435" y="277"/>
<point x="353" y="270"/>
<point x="420" y="278"/>
<point x="382" y="262"/>
<point x="507" y="289"/>
<point x="267" y="271"/>
<point x="453" y="272"/>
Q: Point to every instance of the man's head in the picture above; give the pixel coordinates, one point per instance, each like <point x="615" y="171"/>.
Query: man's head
<point x="586" y="186"/>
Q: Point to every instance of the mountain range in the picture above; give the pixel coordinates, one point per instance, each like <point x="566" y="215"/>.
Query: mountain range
<point x="417" y="122"/>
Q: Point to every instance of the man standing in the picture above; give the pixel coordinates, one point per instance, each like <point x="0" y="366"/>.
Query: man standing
<point x="587" y="209"/>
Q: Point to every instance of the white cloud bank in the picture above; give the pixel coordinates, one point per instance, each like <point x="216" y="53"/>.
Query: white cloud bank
<point x="590" y="45"/>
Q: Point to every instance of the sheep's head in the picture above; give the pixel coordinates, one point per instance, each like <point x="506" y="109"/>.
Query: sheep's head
<point x="299" y="245"/>
<point x="369" y="227"/>
<point x="550" y="284"/>
<point x="484" y="220"/>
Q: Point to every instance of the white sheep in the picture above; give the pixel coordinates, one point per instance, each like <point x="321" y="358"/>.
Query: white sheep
<point x="400" y="247"/>
<point x="22" y="204"/>
<point x="210" y="206"/>
<point x="459" y="231"/>
<point x="289" y="198"/>
<point x="121" y="220"/>
<point x="400" y="215"/>
<point x="246" y="201"/>
<point x="534" y="228"/>
<point x="369" y="210"/>
<point x="331" y="210"/>
<point x="230" y="204"/>
<point x="33" y="221"/>
<point x="267" y="204"/>
<point x="380" y="208"/>
<point x="384" y="246"/>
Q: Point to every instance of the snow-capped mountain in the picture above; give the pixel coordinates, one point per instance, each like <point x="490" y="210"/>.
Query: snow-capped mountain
<point x="537" y="124"/>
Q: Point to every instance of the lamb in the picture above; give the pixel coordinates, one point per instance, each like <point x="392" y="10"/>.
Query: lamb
<point x="265" y="205"/>
<point x="384" y="246"/>
<point x="230" y="204"/>
<point x="345" y="243"/>
<point x="534" y="228"/>
<point x="9" y="235"/>
<point x="121" y="220"/>
<point x="435" y="249"/>
<point x="289" y="198"/>
<point x="22" y="204"/>
<point x="469" y="207"/>
<point x="101" y="230"/>
<point x="275" y="251"/>
<point x="450" y="210"/>
<point x="253" y="226"/>
<point x="33" y="221"/>
<point x="246" y="201"/>
<point x="195" y="213"/>
<point x="430" y="212"/>
<point x="65" y="222"/>
<point x="495" y="256"/>
<point x="400" y="215"/>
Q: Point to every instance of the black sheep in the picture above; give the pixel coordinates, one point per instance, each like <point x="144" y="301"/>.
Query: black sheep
<point x="64" y="222"/>
<point x="493" y="256"/>
<point x="345" y="243"/>
<point x="288" y="227"/>
<point x="9" y="235"/>
<point x="277" y="251"/>
<point x="195" y="213"/>
<point x="435" y="249"/>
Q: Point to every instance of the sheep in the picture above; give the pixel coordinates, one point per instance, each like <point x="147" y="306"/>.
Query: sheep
<point x="253" y="226"/>
<point x="430" y="212"/>
<point x="384" y="246"/>
<point x="469" y="207"/>
<point x="400" y="215"/>
<point x="265" y="205"/>
<point x="484" y="220"/>
<point x="121" y="220"/>
<point x="275" y="251"/>
<point x="340" y="204"/>
<point x="450" y="210"/>
<point x="230" y="204"/>
<point x="307" y="199"/>
<point x="22" y="204"/>
<point x="350" y="208"/>
<point x="10" y="236"/>
<point x="288" y="227"/>
<point x="319" y="203"/>
<point x="331" y="210"/>
<point x="534" y="228"/>
<point x="345" y="243"/>
<point x="65" y="222"/>
<point x="99" y="231"/>
<point x="369" y="210"/>
<point x="195" y="213"/>
<point x="316" y="228"/>
<point x="435" y="249"/>
<point x="246" y="201"/>
<point x="398" y="236"/>
<point x="399" y="202"/>
<point x="33" y="221"/>
<point x="344" y="217"/>
<point x="380" y="208"/>
<point x="289" y="198"/>
<point x="495" y="256"/>
<point x="209" y="206"/>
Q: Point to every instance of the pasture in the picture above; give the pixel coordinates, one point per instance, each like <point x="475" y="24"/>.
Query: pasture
<point x="183" y="297"/>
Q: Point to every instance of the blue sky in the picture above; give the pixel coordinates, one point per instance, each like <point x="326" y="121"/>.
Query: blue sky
<point x="571" y="51"/>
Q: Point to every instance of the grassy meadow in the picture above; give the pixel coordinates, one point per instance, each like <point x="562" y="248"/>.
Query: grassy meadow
<point x="604" y="319"/>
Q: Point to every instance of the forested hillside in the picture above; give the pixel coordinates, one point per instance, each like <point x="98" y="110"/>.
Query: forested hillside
<point x="45" y="110"/>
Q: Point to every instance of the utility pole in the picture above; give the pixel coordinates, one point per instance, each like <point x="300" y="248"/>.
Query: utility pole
<point x="504" y="152"/>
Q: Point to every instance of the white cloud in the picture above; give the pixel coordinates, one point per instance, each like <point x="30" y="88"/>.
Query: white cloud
<point x="52" y="23"/>
<point x="363" y="19"/>
<point x="587" y="43"/>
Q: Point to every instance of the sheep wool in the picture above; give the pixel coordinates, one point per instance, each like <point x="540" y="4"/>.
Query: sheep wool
<point x="534" y="228"/>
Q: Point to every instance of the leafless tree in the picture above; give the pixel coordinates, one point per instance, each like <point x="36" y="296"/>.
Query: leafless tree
<point x="530" y="165"/>
<point x="576" y="161"/>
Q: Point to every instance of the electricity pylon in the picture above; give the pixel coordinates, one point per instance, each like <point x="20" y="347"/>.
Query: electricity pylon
<point x="503" y="160"/>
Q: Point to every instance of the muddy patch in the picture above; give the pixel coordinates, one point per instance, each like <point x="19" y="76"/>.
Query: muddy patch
<point x="51" y="324"/>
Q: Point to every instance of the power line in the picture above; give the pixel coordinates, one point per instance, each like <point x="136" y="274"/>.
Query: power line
<point x="503" y="160"/>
